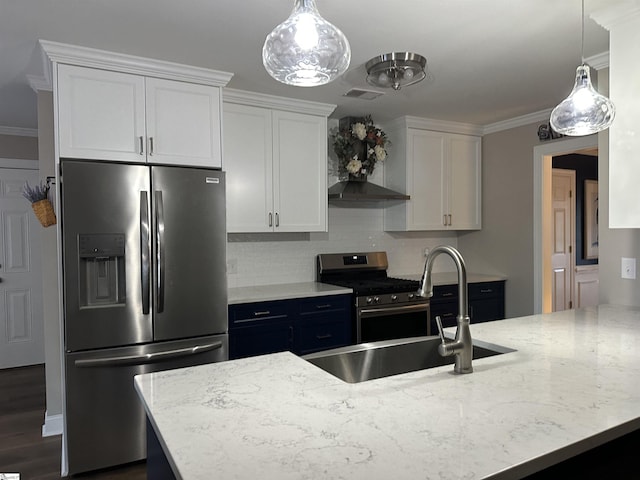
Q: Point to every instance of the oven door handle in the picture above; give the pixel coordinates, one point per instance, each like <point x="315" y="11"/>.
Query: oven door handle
<point x="377" y="312"/>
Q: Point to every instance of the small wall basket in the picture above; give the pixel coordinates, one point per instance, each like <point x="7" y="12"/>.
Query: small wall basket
<point x="44" y="212"/>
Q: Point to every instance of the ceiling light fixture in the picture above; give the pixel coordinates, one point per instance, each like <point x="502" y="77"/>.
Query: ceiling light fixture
<point x="584" y="111"/>
<point x="396" y="70"/>
<point x="305" y="50"/>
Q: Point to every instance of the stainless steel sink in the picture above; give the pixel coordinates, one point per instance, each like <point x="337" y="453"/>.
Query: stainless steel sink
<point x="359" y="363"/>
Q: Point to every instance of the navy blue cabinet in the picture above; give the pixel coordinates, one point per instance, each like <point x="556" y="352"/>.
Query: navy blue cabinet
<point x="300" y="325"/>
<point x="486" y="303"/>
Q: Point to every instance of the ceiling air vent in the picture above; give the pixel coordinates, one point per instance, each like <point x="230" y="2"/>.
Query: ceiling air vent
<point x="362" y="94"/>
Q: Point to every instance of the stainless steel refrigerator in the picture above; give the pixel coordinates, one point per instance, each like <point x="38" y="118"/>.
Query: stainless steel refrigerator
<point x="144" y="269"/>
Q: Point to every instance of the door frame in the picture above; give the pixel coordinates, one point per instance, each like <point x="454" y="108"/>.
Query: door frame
<point x="542" y="164"/>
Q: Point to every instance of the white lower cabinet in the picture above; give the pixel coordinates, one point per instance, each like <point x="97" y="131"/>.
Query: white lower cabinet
<point x="276" y="164"/>
<point x="109" y="115"/>
<point x="442" y="172"/>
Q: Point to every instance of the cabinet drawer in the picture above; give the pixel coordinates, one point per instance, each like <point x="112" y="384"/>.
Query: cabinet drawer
<point x="486" y="290"/>
<point x="251" y="313"/>
<point x="321" y="305"/>
<point x="322" y="334"/>
<point x="444" y="293"/>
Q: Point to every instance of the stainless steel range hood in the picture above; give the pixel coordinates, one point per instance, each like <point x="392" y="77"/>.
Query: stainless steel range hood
<point x="363" y="191"/>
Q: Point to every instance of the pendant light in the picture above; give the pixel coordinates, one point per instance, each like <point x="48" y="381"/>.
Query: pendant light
<point x="305" y="50"/>
<point x="584" y="111"/>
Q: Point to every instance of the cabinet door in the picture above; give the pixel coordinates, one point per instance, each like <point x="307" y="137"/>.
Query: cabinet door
<point x="183" y="123"/>
<point x="100" y="114"/>
<point x="426" y="173"/>
<point x="248" y="162"/>
<point x="464" y="183"/>
<point x="300" y="172"/>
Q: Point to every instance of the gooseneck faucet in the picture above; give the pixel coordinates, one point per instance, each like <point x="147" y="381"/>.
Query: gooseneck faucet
<point x="461" y="346"/>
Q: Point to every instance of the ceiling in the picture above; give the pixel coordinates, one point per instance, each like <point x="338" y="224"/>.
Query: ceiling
<point x="489" y="60"/>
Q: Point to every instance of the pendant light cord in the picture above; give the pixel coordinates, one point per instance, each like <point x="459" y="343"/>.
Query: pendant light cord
<point x="582" y="44"/>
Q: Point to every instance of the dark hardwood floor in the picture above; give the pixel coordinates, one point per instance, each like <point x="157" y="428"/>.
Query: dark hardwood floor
<point x="22" y="448"/>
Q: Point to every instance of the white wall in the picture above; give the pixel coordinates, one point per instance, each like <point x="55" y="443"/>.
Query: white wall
<point x="505" y="243"/>
<point x="52" y="350"/>
<point x="289" y="258"/>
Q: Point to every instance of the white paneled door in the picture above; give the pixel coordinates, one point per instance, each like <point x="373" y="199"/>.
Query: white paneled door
<point x="562" y="253"/>
<point x="21" y="316"/>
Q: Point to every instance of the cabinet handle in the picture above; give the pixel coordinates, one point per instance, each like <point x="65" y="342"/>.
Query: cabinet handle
<point x="270" y="219"/>
<point x="324" y="337"/>
<point x="150" y="146"/>
<point x="447" y="294"/>
<point x="486" y="290"/>
<point x="450" y="222"/>
<point x="444" y="219"/>
<point x="277" y="219"/>
<point x="290" y="334"/>
<point x="447" y="315"/>
<point x="262" y="313"/>
<point x="141" y="139"/>
<point x="326" y="305"/>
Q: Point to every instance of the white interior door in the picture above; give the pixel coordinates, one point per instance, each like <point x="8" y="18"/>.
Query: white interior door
<point x="21" y="316"/>
<point x="563" y="232"/>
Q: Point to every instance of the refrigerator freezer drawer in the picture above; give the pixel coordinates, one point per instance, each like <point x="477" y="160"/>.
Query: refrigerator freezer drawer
<point x="105" y="419"/>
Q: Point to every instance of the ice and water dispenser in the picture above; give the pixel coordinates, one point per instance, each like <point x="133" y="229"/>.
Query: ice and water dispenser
<point x="102" y="271"/>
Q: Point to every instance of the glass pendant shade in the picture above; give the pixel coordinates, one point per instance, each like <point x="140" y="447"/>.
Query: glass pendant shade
<point x="584" y="111"/>
<point x="305" y="50"/>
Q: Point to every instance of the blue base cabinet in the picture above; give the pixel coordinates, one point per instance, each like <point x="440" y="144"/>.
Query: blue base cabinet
<point x="486" y="303"/>
<point x="299" y="325"/>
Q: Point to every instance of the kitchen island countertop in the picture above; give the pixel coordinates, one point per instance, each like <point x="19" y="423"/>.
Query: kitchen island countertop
<point x="570" y="385"/>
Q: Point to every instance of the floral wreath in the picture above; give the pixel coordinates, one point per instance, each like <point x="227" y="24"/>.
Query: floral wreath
<point x="360" y="139"/>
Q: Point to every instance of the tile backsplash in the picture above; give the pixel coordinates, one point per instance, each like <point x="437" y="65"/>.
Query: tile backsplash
<point x="269" y="258"/>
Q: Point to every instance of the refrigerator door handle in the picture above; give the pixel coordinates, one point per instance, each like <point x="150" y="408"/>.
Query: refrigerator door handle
<point x="145" y="254"/>
<point x="147" y="358"/>
<point x="160" y="250"/>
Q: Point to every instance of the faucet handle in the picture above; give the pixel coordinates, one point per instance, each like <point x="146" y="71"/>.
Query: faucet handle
<point x="439" y="323"/>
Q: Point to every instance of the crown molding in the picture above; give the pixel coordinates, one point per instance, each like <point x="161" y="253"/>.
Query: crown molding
<point x="599" y="61"/>
<point x="19" y="131"/>
<point x="613" y="16"/>
<point x="231" y="95"/>
<point x="409" y="121"/>
<point x="541" y="116"/>
<point x="120" y="62"/>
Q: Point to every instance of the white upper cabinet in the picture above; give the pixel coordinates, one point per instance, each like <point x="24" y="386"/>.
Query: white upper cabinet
<point x="442" y="172"/>
<point x="276" y="164"/>
<point x="249" y="167"/>
<point x="100" y="114"/>
<point x="119" y="116"/>
<point x="183" y="123"/>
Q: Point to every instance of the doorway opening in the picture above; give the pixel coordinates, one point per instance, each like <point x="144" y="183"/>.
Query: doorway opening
<point x="542" y="208"/>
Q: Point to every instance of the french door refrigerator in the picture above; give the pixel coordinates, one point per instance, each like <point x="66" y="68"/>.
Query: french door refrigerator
<point x="144" y="270"/>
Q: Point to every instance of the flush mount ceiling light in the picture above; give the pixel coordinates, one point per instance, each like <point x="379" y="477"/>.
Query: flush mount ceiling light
<point x="305" y="50"/>
<point x="396" y="70"/>
<point x="584" y="111"/>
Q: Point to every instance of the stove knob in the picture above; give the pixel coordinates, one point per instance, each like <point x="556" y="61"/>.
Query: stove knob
<point x="394" y="298"/>
<point x="411" y="296"/>
<point x="376" y="299"/>
<point x="369" y="299"/>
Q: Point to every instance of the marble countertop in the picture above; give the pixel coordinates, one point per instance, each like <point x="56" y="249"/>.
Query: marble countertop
<point x="284" y="291"/>
<point x="570" y="385"/>
<point x="451" y="278"/>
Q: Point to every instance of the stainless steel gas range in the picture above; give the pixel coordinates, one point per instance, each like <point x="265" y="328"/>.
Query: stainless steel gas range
<point x="384" y="307"/>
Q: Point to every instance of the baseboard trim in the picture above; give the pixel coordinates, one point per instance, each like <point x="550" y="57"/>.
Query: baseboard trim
<point x="52" y="425"/>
